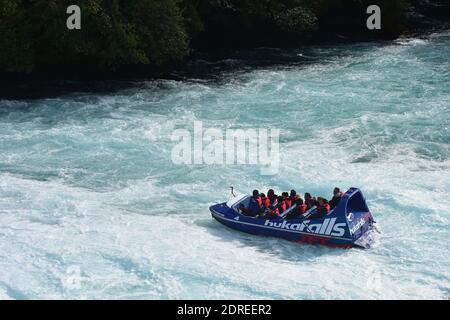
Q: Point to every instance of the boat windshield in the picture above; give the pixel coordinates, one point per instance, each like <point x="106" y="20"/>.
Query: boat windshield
<point x="236" y="201"/>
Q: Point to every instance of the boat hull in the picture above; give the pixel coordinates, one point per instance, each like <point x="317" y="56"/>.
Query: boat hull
<point x="340" y="229"/>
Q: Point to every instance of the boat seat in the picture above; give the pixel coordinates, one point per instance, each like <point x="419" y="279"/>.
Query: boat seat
<point x="309" y="212"/>
<point x="285" y="213"/>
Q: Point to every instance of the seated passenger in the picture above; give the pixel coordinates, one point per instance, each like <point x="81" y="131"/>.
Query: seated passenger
<point x="257" y="197"/>
<point x="275" y="210"/>
<point x="265" y="201"/>
<point x="272" y="196"/>
<point x="281" y="204"/>
<point x="301" y="206"/>
<point x="310" y="201"/>
<point x="294" y="196"/>
<point x="272" y="213"/>
<point x="322" y="210"/>
<point x="337" y="195"/>
<point x="254" y="206"/>
<point x="286" y="199"/>
<point x="324" y="206"/>
<point x="298" y="211"/>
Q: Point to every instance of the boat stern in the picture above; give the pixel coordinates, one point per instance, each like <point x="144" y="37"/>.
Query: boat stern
<point x="360" y="222"/>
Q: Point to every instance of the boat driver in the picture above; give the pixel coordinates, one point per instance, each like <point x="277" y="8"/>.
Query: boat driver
<point x="254" y="206"/>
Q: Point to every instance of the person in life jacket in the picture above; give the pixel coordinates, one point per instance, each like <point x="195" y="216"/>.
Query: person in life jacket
<point x="272" y="196"/>
<point x="254" y="206"/>
<point x="272" y="211"/>
<point x="265" y="201"/>
<point x="281" y="206"/>
<point x="298" y="211"/>
<point x="337" y="196"/>
<point x="257" y="197"/>
<point x="310" y="201"/>
<point x="286" y="199"/>
<point x="323" y="209"/>
<point x="293" y="196"/>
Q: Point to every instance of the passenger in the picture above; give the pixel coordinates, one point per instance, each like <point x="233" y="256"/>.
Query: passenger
<point x="254" y="206"/>
<point x="322" y="210"/>
<point x="280" y="207"/>
<point x="272" y="196"/>
<point x="294" y="196"/>
<point x="298" y="211"/>
<point x="246" y="211"/>
<point x="265" y="201"/>
<point x="337" y="196"/>
<point x="310" y="201"/>
<point x="271" y="212"/>
<point x="257" y="197"/>
<point x="302" y="207"/>
<point x="286" y="199"/>
<point x="324" y="206"/>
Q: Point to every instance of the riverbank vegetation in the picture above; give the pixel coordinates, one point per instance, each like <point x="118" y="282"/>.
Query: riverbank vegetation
<point x="154" y="35"/>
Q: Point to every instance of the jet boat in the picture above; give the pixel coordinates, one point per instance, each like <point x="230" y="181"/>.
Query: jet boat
<point x="349" y="224"/>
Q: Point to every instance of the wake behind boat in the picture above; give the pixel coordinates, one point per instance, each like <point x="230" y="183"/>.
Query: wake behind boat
<point x="349" y="224"/>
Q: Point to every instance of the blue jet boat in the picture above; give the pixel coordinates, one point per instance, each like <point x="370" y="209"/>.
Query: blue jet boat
<point x="349" y="224"/>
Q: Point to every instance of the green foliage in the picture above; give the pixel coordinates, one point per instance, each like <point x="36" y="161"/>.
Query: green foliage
<point x="117" y="33"/>
<point x="16" y="46"/>
<point x="113" y="33"/>
<point x="297" y="20"/>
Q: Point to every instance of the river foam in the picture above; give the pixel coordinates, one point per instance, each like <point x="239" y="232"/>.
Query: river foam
<point x="91" y="205"/>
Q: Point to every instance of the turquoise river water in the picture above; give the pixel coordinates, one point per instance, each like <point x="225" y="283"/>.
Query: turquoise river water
<point x="92" y="205"/>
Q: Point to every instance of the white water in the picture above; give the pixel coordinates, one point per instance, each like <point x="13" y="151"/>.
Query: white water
<point x="87" y="184"/>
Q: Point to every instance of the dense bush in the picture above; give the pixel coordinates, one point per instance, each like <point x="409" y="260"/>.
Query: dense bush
<point x="289" y="22"/>
<point x="156" y="33"/>
<point x="113" y="33"/>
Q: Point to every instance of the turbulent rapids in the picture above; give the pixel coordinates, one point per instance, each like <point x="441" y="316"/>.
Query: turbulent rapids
<point x="92" y="205"/>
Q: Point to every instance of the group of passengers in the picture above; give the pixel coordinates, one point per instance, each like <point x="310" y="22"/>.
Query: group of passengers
<point x="272" y="206"/>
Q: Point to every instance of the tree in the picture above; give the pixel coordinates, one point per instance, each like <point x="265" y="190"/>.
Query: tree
<point x="114" y="34"/>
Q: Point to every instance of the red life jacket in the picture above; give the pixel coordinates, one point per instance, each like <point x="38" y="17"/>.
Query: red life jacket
<point x="288" y="202"/>
<point x="259" y="200"/>
<point x="265" y="201"/>
<point x="292" y="200"/>
<point x="279" y="206"/>
<point x="283" y="205"/>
